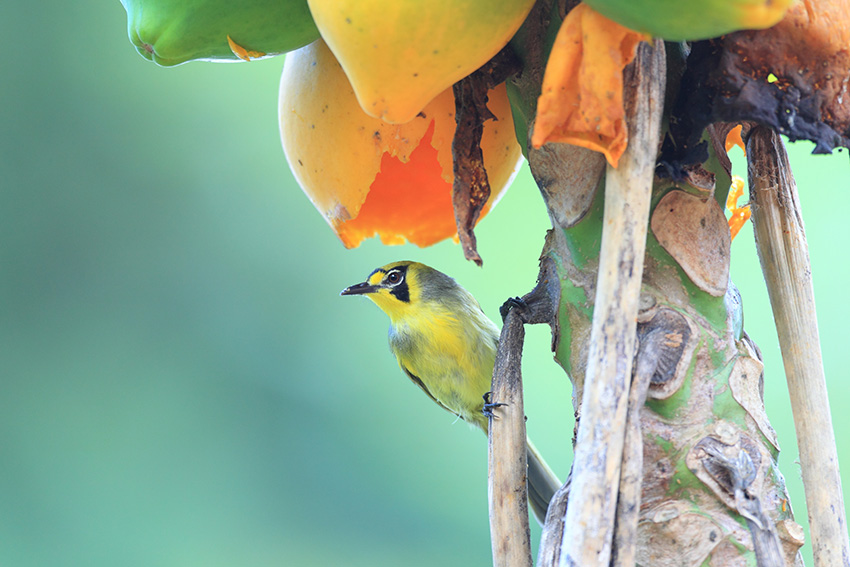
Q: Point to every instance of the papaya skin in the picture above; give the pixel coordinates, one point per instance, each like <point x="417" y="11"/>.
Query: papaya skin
<point x="675" y="20"/>
<point x="172" y="32"/>
<point x="399" y="55"/>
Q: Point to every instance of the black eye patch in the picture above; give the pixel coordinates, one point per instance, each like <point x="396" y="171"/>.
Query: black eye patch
<point x="395" y="278"/>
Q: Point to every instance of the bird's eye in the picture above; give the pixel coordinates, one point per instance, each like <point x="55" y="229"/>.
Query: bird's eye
<point x="394" y="277"/>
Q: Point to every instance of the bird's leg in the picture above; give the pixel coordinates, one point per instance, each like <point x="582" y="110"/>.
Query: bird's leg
<point x="488" y="406"/>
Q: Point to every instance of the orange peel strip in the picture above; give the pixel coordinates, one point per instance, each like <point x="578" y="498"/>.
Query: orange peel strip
<point x="241" y="52"/>
<point x="733" y="138"/>
<point x="582" y="96"/>
<point x="740" y="215"/>
<point x="738" y="219"/>
<point x="735" y="192"/>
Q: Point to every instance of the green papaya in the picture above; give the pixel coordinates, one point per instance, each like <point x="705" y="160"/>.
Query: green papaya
<point x="676" y="20"/>
<point x="171" y="32"/>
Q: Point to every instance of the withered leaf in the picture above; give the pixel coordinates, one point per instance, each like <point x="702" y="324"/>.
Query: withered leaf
<point x="471" y="188"/>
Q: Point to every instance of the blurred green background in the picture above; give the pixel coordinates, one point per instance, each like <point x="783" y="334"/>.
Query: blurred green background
<point x="182" y="384"/>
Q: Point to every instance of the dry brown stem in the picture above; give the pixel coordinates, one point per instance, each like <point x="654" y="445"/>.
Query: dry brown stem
<point x="590" y="517"/>
<point x="784" y="256"/>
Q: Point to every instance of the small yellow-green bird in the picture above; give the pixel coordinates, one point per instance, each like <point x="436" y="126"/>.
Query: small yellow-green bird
<point x="447" y="346"/>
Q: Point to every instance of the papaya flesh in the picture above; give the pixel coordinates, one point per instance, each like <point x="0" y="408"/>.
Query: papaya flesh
<point x="171" y="32"/>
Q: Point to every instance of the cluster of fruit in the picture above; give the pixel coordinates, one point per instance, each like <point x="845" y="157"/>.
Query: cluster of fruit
<point x="367" y="111"/>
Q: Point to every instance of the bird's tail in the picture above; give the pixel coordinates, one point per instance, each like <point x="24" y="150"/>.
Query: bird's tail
<point x="542" y="483"/>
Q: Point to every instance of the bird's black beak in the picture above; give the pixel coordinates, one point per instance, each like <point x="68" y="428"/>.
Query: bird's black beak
<point x="359" y="289"/>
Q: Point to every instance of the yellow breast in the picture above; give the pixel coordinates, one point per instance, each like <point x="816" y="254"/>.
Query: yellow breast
<point x="452" y="354"/>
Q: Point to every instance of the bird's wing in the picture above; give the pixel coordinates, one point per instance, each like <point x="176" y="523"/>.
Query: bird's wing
<point x="418" y="381"/>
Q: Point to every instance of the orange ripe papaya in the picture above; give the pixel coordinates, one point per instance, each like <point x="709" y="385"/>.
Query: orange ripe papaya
<point x="369" y="177"/>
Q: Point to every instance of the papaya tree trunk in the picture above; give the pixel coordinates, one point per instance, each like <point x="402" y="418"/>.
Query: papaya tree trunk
<point x="676" y="463"/>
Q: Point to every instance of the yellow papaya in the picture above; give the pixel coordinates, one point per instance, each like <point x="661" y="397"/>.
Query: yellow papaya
<point x="676" y="20"/>
<point x="399" y="55"/>
<point x="171" y="32"/>
<point x="369" y="177"/>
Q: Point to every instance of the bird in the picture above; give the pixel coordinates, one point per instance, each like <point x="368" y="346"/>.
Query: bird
<point x="447" y="345"/>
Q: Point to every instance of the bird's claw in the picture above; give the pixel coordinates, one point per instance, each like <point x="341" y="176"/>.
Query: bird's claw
<point x="489" y="406"/>
<point x="511" y="303"/>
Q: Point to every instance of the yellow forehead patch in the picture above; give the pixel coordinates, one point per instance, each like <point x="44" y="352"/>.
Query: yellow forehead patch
<point x="376" y="278"/>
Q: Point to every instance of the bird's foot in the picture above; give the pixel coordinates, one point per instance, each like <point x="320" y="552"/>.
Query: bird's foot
<point x="511" y="303"/>
<point x="487" y="410"/>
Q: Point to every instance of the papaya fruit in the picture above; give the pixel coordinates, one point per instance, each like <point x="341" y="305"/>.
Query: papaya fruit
<point x="368" y="177"/>
<point x="171" y="32"/>
<point x="676" y="20"/>
<point x="399" y="55"/>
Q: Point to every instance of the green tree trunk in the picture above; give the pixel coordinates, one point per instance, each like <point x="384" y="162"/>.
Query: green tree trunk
<point x="709" y="453"/>
<point x="710" y="489"/>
